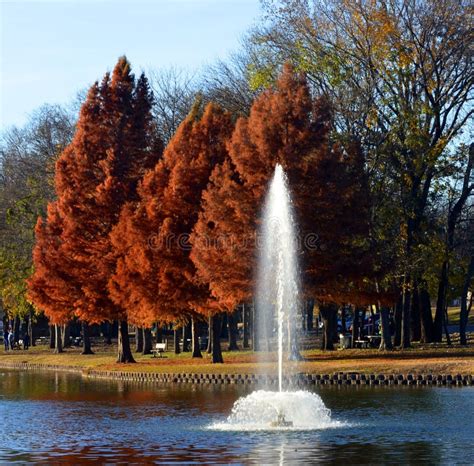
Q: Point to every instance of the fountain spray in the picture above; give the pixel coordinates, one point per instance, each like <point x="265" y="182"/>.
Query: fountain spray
<point x="277" y="289"/>
<point x="277" y="302"/>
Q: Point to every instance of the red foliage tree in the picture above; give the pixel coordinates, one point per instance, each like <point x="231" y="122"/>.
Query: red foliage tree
<point x="50" y="287"/>
<point x="155" y="277"/>
<point x="282" y="128"/>
<point x="96" y="175"/>
<point x="285" y="126"/>
<point x="223" y="245"/>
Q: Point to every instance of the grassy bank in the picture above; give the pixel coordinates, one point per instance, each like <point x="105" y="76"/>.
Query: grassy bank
<point x="439" y="360"/>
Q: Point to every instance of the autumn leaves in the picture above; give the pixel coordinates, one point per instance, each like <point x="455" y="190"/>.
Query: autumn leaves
<point x="104" y="250"/>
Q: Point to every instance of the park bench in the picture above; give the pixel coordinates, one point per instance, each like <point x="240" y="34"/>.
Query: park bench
<point x="42" y="341"/>
<point x="361" y="344"/>
<point x="160" y="348"/>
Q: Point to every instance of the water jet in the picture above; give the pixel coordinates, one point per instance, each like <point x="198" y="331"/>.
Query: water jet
<point x="277" y="300"/>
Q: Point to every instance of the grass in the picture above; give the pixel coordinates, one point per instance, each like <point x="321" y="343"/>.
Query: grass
<point x="437" y="360"/>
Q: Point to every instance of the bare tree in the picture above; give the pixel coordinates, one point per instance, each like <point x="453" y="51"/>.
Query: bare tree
<point x="174" y="91"/>
<point x="229" y="82"/>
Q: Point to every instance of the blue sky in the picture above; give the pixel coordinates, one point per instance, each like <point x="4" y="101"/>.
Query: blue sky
<point x="50" y="50"/>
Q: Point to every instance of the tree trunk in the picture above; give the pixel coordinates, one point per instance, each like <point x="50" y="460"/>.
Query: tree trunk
<point x="441" y="303"/>
<point x="465" y="307"/>
<point x="124" y="350"/>
<point x="52" y="336"/>
<point x="209" y="336"/>
<point x="195" y="339"/>
<point x="293" y="350"/>
<point x="176" y="333"/>
<point x="255" y="339"/>
<point x="106" y="328"/>
<point x="16" y="329"/>
<point x="58" y="340"/>
<point x="426" y="316"/>
<point x="232" y="323"/>
<point x="406" y="319"/>
<point x="30" y="329"/>
<point x="455" y="212"/>
<point x="343" y="320"/>
<point x="108" y="333"/>
<point x="415" y="315"/>
<point x="328" y="314"/>
<point x="362" y="312"/>
<point x="216" y="341"/>
<point x="147" y="341"/>
<point x="86" y="341"/>
<point x="159" y="333"/>
<point x="355" y="326"/>
<point x="224" y="332"/>
<point x="66" y="330"/>
<point x="187" y="337"/>
<point x="386" y="341"/>
<point x="303" y="317"/>
<point x="309" y="314"/>
<point x="397" y="341"/>
<point x="445" y="325"/>
<point x="245" y="322"/>
<point x="138" y="339"/>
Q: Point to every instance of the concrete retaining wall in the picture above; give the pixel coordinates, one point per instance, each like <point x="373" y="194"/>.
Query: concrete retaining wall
<point x="300" y="379"/>
<point x="297" y="380"/>
<point x="40" y="367"/>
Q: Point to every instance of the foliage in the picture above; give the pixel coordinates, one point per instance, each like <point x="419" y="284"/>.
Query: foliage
<point x="285" y="127"/>
<point x="26" y="172"/>
<point x="155" y="277"/>
<point x="114" y="144"/>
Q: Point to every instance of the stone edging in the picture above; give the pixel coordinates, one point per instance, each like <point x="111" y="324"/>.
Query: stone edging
<point x="300" y="379"/>
<point x="41" y="367"/>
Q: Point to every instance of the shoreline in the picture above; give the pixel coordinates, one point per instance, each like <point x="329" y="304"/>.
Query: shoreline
<point x="300" y="379"/>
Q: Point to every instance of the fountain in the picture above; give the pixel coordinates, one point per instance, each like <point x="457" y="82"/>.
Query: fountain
<point x="277" y="303"/>
<point x="277" y="284"/>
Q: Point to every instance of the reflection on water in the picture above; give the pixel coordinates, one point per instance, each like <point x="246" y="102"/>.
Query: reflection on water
<point x="61" y="418"/>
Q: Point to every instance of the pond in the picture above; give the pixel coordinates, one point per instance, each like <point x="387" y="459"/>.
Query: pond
<point x="58" y="417"/>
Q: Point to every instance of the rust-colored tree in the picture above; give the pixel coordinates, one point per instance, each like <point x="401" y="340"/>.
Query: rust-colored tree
<point x="96" y="175"/>
<point x="222" y="243"/>
<point x="285" y="126"/>
<point x="50" y="287"/>
<point x="282" y="128"/>
<point x="338" y="261"/>
<point x="155" y="278"/>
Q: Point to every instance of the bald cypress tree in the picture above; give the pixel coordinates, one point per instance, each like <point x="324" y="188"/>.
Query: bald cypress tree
<point x="155" y="278"/>
<point x="51" y="288"/>
<point x="329" y="190"/>
<point x="222" y="242"/>
<point x="95" y="176"/>
<point x="281" y="128"/>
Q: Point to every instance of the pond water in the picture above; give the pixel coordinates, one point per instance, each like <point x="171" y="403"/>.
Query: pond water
<point x="57" y="417"/>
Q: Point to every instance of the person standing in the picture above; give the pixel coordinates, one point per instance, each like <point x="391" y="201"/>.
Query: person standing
<point x="5" y="339"/>
<point x="11" y="339"/>
<point x="26" y="341"/>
